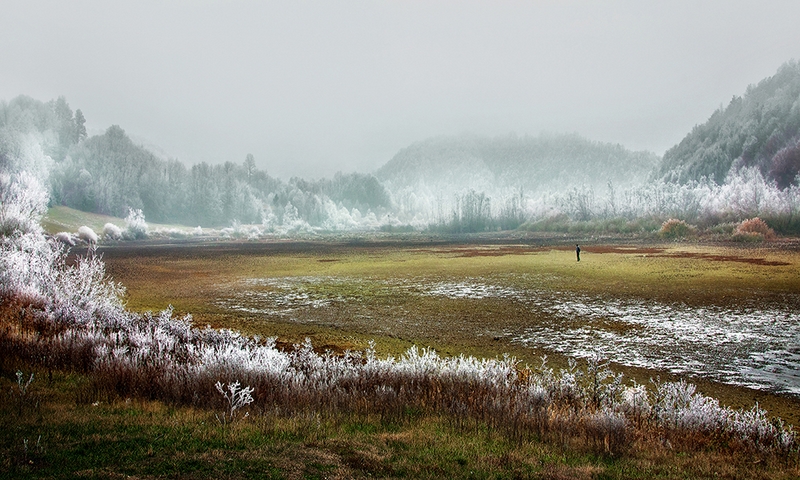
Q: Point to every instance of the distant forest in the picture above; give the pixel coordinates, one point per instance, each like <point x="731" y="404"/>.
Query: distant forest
<point x="110" y="174"/>
<point x="530" y="163"/>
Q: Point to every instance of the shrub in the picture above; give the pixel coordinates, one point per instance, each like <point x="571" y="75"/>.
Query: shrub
<point x="136" y="226"/>
<point x="65" y="238"/>
<point x="112" y="232"/>
<point x="674" y="228"/>
<point x="23" y="201"/>
<point x="87" y="235"/>
<point x="754" y="229"/>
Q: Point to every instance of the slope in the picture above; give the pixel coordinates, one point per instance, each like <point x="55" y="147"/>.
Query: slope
<point x="760" y="130"/>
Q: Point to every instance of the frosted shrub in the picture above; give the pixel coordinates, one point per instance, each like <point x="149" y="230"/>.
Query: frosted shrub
<point x="607" y="429"/>
<point x="112" y="232"/>
<point x="136" y="228"/>
<point x="239" y="231"/>
<point x="237" y="397"/>
<point x="23" y="201"/>
<point x="675" y="229"/>
<point x="65" y="238"/>
<point x="754" y="229"/>
<point x="87" y="235"/>
<point x="754" y="428"/>
<point x="635" y="402"/>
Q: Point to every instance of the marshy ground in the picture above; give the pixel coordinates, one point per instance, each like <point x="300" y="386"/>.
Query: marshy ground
<point x="726" y="317"/>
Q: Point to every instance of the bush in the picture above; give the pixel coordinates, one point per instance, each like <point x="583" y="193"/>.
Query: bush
<point x="674" y="228"/>
<point x="65" y="238"/>
<point x="112" y="232"/>
<point x="136" y="226"/>
<point x="87" y="235"/>
<point x="754" y="229"/>
<point x="23" y="202"/>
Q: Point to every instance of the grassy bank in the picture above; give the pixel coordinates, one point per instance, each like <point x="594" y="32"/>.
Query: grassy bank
<point x="61" y="428"/>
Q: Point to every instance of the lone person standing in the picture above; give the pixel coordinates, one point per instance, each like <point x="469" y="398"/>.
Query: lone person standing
<point x="578" y="251"/>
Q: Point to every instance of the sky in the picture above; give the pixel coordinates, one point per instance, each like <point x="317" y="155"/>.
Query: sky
<point x="313" y="88"/>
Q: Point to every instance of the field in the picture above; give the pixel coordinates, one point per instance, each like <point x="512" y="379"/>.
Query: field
<point x="723" y="316"/>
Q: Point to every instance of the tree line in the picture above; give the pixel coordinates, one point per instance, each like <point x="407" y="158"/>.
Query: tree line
<point x="110" y="174"/>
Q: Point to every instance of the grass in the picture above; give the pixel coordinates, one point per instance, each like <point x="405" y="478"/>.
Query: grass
<point x="200" y="279"/>
<point x="72" y="435"/>
<point x="65" y="219"/>
<point x="64" y="427"/>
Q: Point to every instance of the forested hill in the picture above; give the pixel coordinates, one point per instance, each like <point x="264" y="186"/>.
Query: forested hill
<point x="110" y="174"/>
<point x="546" y="162"/>
<point x="760" y="129"/>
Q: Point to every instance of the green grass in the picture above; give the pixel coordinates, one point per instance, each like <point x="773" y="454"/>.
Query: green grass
<point x="65" y="219"/>
<point x="69" y="437"/>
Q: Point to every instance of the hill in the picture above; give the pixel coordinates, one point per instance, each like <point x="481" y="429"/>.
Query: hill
<point x="533" y="164"/>
<point x="760" y="129"/>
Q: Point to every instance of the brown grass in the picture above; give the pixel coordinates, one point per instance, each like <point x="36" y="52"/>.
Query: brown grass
<point x="194" y="278"/>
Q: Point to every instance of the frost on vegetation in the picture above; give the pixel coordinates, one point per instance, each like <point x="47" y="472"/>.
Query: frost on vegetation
<point x="239" y="231"/>
<point x="136" y="228"/>
<point x="237" y="397"/>
<point x="112" y="232"/>
<point x="87" y="235"/>
<point x="23" y="202"/>
<point x="65" y="238"/>
<point x="68" y="315"/>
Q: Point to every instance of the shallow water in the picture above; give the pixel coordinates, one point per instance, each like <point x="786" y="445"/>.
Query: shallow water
<point x="757" y="347"/>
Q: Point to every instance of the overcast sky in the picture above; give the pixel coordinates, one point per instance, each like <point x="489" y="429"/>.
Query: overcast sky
<point x="311" y="88"/>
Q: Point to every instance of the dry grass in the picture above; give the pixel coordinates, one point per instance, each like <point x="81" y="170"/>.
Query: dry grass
<point x="197" y="278"/>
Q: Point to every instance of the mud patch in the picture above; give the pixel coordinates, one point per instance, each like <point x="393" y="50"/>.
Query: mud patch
<point x="600" y="249"/>
<point x="662" y="252"/>
<point x="484" y="251"/>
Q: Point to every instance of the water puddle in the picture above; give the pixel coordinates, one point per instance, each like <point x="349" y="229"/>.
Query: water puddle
<point x="752" y="347"/>
<point x="748" y="346"/>
<point x="757" y="348"/>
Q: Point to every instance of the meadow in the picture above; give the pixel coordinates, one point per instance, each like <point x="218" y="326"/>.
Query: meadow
<point x="423" y="359"/>
<point x="523" y="298"/>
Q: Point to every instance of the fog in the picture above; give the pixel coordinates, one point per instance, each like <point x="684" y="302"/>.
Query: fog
<point x="314" y="88"/>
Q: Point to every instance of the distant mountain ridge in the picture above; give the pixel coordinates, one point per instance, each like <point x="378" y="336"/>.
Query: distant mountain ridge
<point x="760" y="129"/>
<point x="544" y="162"/>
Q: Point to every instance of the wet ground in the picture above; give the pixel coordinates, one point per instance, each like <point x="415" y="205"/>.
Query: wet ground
<point x="719" y="314"/>
<point x="756" y="346"/>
